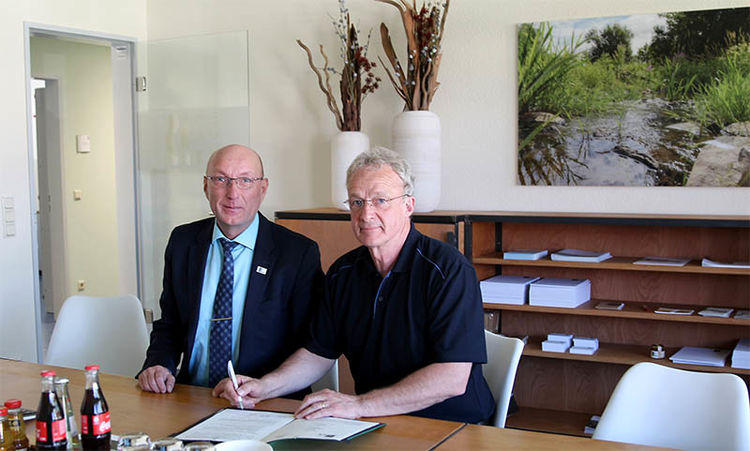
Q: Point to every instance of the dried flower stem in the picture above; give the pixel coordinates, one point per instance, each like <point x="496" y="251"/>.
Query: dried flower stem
<point x="352" y="87"/>
<point x="326" y="88"/>
<point x="418" y="83"/>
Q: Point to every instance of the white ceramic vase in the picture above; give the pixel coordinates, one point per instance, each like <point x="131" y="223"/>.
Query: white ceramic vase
<point x="416" y="136"/>
<point x="345" y="146"/>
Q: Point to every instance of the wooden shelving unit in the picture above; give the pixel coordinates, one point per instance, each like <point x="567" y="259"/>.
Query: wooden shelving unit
<point x="559" y="392"/>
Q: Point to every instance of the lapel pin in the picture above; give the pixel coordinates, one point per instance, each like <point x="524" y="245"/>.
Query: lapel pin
<point x="261" y="270"/>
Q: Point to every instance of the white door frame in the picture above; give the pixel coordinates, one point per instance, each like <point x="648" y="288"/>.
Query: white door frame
<point x="126" y="132"/>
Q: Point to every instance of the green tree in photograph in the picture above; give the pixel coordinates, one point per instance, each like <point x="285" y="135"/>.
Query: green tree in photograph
<point x="697" y="33"/>
<point x="613" y="40"/>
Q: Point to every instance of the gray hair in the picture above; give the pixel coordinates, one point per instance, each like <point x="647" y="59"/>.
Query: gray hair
<point x="379" y="156"/>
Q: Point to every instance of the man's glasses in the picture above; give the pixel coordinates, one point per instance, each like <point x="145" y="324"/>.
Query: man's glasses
<point x="241" y="182"/>
<point x="379" y="203"/>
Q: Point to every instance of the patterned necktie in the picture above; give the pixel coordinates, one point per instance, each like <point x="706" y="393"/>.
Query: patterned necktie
<point x="220" y="337"/>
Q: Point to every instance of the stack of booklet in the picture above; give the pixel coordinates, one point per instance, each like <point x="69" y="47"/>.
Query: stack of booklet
<point x="741" y="354"/>
<point x="662" y="261"/>
<point x="577" y="255"/>
<point x="584" y="345"/>
<point x="524" y="254"/>
<point x="557" y="342"/>
<point x="506" y="289"/>
<point x="716" y="264"/>
<point x="689" y="355"/>
<point x="567" y="293"/>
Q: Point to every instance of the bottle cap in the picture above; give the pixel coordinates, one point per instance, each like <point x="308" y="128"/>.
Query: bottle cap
<point x="3" y="411"/>
<point x="92" y="367"/>
<point x="13" y="403"/>
<point x="48" y="373"/>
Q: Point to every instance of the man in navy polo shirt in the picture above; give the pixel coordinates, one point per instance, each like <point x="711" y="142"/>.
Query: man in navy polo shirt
<point x="405" y="310"/>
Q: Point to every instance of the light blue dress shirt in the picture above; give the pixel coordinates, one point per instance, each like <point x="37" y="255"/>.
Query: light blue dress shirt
<point x="243" y="259"/>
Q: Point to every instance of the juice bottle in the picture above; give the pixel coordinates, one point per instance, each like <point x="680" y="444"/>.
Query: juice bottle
<point x="17" y="428"/>
<point x="50" y="422"/>
<point x="95" y="424"/>
<point x="6" y="437"/>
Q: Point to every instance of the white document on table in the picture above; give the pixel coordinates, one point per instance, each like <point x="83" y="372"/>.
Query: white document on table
<point x="233" y="424"/>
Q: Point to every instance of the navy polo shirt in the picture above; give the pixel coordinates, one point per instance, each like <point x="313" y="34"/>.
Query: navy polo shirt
<point x="427" y="309"/>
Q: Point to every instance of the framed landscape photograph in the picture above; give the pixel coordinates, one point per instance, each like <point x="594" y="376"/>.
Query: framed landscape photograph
<point x="642" y="100"/>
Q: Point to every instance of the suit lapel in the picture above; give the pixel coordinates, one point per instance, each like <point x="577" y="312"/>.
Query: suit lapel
<point x="196" y="268"/>
<point x="261" y="270"/>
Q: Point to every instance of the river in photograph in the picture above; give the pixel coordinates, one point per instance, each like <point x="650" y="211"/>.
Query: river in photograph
<point x="630" y="147"/>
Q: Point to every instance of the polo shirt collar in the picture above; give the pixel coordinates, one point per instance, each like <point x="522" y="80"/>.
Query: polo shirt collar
<point x="247" y="238"/>
<point x="406" y="256"/>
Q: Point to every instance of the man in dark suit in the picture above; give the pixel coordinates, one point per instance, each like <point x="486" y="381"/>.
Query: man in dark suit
<point x="273" y="283"/>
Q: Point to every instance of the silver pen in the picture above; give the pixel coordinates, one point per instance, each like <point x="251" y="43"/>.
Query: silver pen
<point x="230" y="370"/>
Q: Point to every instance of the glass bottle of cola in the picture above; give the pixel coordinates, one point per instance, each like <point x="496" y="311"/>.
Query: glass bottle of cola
<point x="95" y="424"/>
<point x="50" y="422"/>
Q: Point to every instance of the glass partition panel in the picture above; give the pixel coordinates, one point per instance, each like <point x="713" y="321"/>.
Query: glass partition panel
<point x="196" y="101"/>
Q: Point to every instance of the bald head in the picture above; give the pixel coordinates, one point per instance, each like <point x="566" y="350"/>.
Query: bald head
<point x="235" y="151"/>
<point x="234" y="205"/>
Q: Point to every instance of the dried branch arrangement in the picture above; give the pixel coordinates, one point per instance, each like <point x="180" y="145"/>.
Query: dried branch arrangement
<point x="424" y="27"/>
<point x="352" y="87"/>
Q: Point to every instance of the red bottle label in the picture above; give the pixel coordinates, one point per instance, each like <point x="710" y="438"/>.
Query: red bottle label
<point x="99" y="423"/>
<point x="58" y="431"/>
<point x="41" y="431"/>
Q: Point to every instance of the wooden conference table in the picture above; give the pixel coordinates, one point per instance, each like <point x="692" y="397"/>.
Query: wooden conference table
<point x="160" y="415"/>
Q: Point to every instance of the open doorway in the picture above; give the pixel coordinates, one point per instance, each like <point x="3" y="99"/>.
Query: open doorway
<point x="82" y="148"/>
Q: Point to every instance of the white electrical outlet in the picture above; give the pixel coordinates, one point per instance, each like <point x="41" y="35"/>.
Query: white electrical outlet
<point x="81" y="285"/>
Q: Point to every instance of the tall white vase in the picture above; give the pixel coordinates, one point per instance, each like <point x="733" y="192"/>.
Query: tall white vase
<point x="345" y="146"/>
<point x="416" y="136"/>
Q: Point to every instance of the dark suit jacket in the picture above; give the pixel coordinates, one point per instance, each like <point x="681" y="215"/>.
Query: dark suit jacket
<point x="277" y="307"/>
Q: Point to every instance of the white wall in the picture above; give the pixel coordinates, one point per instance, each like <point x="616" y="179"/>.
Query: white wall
<point x="17" y="320"/>
<point x="291" y="127"/>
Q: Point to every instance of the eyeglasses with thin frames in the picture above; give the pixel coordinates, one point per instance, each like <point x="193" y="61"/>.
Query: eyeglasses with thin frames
<point x="241" y="182"/>
<point x="379" y="203"/>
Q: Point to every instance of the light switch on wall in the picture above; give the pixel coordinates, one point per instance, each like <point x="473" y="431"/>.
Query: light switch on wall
<point x="83" y="143"/>
<point x="9" y="216"/>
<point x="77" y="194"/>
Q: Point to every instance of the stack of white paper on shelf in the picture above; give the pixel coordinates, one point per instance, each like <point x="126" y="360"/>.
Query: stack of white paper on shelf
<point x="741" y="354"/>
<point x="719" y="312"/>
<point x="584" y="345"/>
<point x="717" y="264"/>
<point x="524" y="254"/>
<point x="662" y="261"/>
<point x="700" y="356"/>
<point x="567" y="293"/>
<point x="577" y="255"/>
<point x="506" y="289"/>
<point x="557" y="342"/>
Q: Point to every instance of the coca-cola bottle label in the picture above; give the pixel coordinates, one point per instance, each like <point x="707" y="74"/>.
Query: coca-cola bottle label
<point x="58" y="430"/>
<point x="99" y="423"/>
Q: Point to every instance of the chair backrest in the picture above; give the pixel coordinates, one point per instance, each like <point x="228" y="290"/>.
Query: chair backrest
<point x="503" y="355"/>
<point x="109" y="331"/>
<point x="662" y="406"/>
<point x="328" y="380"/>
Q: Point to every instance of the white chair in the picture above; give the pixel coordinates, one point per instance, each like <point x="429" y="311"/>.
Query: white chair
<point x="329" y="380"/>
<point x="503" y="355"/>
<point x="109" y="331"/>
<point x="662" y="406"/>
